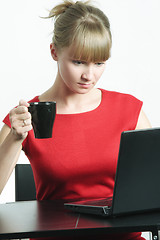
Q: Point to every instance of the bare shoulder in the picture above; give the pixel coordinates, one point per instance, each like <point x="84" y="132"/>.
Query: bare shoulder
<point x="143" y="121"/>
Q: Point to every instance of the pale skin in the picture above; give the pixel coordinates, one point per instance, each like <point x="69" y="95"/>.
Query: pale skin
<point x="73" y="90"/>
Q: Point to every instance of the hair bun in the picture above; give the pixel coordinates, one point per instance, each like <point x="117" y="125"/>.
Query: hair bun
<point x="61" y="8"/>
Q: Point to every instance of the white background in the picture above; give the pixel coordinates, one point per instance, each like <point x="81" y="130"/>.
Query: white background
<point x="27" y="69"/>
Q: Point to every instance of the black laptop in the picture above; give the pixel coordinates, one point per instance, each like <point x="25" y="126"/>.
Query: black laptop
<point x="137" y="183"/>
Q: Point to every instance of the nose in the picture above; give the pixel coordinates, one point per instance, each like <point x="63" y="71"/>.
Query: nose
<point x="88" y="73"/>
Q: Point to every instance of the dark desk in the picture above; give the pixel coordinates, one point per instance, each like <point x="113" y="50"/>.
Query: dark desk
<point x="49" y="218"/>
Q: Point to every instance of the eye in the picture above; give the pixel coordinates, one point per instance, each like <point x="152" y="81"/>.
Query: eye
<point x="99" y="63"/>
<point x="77" y="62"/>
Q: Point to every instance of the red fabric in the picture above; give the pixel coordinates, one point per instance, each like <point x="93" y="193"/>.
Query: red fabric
<point x="80" y="159"/>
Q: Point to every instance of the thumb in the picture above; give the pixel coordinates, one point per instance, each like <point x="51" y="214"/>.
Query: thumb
<point x="22" y="102"/>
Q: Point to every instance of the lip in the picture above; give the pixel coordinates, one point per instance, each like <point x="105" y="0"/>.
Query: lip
<point x="85" y="85"/>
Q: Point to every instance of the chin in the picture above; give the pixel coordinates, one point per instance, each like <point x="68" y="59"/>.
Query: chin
<point x="83" y="91"/>
<point x="80" y="90"/>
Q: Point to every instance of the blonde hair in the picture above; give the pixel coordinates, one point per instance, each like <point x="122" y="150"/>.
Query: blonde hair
<point x="83" y="26"/>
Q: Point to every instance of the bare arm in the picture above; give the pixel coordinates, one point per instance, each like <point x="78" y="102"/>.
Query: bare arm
<point x="9" y="153"/>
<point x="143" y="121"/>
<point x="11" y="141"/>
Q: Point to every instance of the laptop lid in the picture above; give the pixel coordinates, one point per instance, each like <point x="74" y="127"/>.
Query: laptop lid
<point x="137" y="183"/>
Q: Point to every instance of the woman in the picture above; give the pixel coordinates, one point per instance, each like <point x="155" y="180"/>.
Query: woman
<point x="80" y="159"/>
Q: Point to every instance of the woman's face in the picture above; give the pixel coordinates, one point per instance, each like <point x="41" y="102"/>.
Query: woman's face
<point x="78" y="76"/>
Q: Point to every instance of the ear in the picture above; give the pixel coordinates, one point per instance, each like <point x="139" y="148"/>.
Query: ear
<point x="53" y="51"/>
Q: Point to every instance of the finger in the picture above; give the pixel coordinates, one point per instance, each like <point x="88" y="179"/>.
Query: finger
<point x="27" y="128"/>
<point x="26" y="122"/>
<point x="23" y="103"/>
<point x="21" y="110"/>
<point x="18" y="114"/>
<point x="24" y="116"/>
<point x="22" y="132"/>
<point x="17" y="119"/>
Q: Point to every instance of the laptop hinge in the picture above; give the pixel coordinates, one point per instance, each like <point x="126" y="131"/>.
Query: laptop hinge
<point x="106" y="210"/>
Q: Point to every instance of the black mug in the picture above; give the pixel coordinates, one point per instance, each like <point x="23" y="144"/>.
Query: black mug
<point x="43" y="116"/>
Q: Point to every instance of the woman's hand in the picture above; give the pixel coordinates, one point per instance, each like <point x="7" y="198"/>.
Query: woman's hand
<point x="20" y="120"/>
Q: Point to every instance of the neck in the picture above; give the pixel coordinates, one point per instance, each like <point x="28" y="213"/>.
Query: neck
<point x="70" y="102"/>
